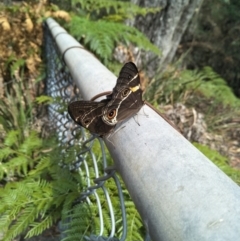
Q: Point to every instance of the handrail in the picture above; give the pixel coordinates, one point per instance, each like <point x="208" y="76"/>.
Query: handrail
<point x="179" y="193"/>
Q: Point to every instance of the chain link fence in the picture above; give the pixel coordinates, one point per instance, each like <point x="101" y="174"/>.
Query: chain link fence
<point x="60" y="86"/>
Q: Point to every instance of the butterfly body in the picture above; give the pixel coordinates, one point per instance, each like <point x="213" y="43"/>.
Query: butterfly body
<point x="124" y="101"/>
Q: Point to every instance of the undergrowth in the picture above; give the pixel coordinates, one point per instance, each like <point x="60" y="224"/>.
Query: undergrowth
<point x="175" y="85"/>
<point x="203" y="89"/>
<point x="37" y="192"/>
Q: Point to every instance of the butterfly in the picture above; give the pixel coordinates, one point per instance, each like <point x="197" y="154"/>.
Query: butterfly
<point x="124" y="102"/>
<point x="126" y="98"/>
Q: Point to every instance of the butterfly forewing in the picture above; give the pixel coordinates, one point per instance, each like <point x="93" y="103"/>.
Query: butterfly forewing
<point x="126" y="97"/>
<point x="128" y="75"/>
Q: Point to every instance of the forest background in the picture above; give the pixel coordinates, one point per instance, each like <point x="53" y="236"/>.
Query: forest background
<point x="191" y="73"/>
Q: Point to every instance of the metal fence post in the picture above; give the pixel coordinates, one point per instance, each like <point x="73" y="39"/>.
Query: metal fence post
<point x="180" y="194"/>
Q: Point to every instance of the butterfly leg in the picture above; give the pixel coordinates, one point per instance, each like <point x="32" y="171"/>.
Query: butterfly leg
<point x="145" y="113"/>
<point x="136" y="120"/>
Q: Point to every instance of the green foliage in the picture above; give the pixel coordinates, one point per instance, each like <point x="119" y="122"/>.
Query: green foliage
<point x="14" y="64"/>
<point x="174" y="85"/>
<point x="77" y="222"/>
<point x="100" y="26"/>
<point x="111" y="9"/>
<point x="44" y="99"/>
<point x="16" y="107"/>
<point x="102" y="36"/>
<point x="37" y="188"/>
<point x="39" y="192"/>
<point x="136" y="230"/>
<point x="213" y="40"/>
<point x="220" y="161"/>
<point x="16" y="157"/>
<point x="36" y="192"/>
<point x="211" y="85"/>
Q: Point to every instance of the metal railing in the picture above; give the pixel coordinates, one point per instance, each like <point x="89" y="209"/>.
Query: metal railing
<point x="179" y="193"/>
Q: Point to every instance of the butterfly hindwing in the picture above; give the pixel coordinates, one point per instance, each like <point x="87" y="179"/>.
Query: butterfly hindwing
<point x="88" y="114"/>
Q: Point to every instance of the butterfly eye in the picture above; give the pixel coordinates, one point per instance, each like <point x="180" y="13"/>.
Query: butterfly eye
<point x="111" y="114"/>
<point x="125" y="92"/>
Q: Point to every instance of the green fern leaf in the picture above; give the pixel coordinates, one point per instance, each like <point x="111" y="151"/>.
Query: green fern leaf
<point x="17" y="165"/>
<point x="38" y="227"/>
<point x="31" y="143"/>
<point x="121" y="9"/>
<point x="12" y="138"/>
<point x="5" y="153"/>
<point x="102" y="36"/>
<point x="27" y="216"/>
<point x="44" y="99"/>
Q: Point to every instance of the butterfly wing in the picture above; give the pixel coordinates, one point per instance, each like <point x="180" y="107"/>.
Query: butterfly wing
<point x="126" y="98"/>
<point x="89" y="115"/>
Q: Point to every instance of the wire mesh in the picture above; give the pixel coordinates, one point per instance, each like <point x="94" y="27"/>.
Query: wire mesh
<point x="60" y="86"/>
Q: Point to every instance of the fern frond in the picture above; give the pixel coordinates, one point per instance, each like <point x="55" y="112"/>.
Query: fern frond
<point x="114" y="10"/>
<point x="5" y="153"/>
<point x="12" y="138"/>
<point x="172" y="86"/>
<point x="78" y="223"/>
<point x="38" y="227"/>
<point x="42" y="167"/>
<point x="17" y="165"/>
<point x="30" y="144"/>
<point x="27" y="216"/>
<point x="5" y="221"/>
<point x="44" y="99"/>
<point x="101" y="36"/>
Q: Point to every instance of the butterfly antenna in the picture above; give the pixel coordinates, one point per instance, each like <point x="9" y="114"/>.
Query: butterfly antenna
<point x="145" y="113"/>
<point x="138" y="56"/>
<point x="113" y="133"/>
<point x="107" y="138"/>
<point x="121" y="127"/>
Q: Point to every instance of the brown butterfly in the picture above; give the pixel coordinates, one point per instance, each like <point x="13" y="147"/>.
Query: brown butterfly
<point x="124" y="102"/>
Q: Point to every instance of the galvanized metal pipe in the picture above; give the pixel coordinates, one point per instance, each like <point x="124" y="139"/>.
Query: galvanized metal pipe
<point x="180" y="194"/>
